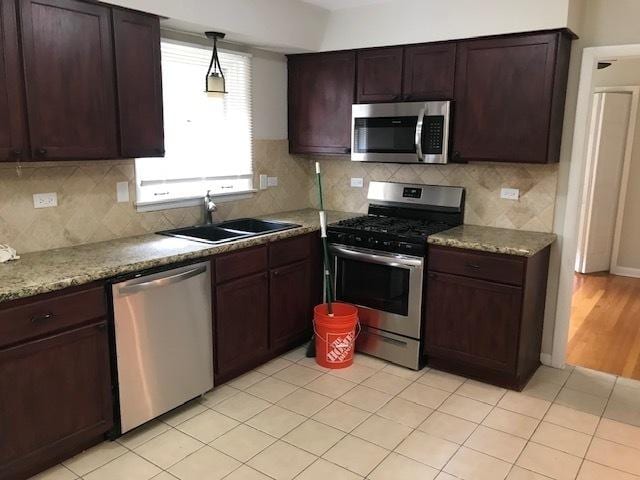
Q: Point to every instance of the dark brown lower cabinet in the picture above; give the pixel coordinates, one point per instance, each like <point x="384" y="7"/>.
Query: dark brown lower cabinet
<point x="484" y="314"/>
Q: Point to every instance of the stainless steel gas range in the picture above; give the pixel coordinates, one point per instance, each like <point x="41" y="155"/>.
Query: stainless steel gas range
<point x="379" y="263"/>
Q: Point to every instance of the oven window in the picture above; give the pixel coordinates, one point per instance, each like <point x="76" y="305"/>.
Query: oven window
<point x="385" y="135"/>
<point x="371" y="285"/>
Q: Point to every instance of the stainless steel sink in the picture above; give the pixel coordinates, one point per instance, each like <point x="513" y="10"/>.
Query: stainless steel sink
<point x="230" y="230"/>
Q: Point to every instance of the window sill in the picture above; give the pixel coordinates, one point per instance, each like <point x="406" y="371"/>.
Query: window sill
<point x="168" y="204"/>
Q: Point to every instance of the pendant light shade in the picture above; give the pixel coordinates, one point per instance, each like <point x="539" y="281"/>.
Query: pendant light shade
<point x="215" y="84"/>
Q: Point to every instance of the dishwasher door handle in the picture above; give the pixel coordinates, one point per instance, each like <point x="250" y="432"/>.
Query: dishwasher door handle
<point x="161" y="282"/>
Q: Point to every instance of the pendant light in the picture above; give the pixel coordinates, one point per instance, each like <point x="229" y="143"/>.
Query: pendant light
<point x="215" y="84"/>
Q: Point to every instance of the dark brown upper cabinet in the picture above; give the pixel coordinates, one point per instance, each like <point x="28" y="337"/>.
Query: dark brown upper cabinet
<point x="321" y="92"/>
<point x="380" y="75"/>
<point x="509" y="97"/>
<point x="139" y="80"/>
<point x="70" y="83"/>
<point x="13" y="135"/>
<point x="429" y="72"/>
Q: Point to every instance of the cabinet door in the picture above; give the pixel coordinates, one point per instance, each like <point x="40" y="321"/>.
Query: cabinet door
<point x="473" y="321"/>
<point x="321" y="92"/>
<point x="55" y="394"/>
<point x="68" y="56"/>
<point x="13" y="138"/>
<point x="290" y="303"/>
<point x="429" y="72"/>
<point x="242" y="323"/>
<point x="380" y="75"/>
<point x="139" y="75"/>
<point x="504" y="92"/>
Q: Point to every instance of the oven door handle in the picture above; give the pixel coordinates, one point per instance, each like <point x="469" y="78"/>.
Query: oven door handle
<point x="391" y="260"/>
<point x="419" y="128"/>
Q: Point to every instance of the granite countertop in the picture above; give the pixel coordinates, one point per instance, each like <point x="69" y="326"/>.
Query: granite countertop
<point x="495" y="240"/>
<point x="51" y="270"/>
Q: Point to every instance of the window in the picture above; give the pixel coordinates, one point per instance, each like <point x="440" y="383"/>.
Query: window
<point x="208" y="140"/>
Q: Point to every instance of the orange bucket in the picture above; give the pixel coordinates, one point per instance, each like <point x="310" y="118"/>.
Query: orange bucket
<point x="335" y="336"/>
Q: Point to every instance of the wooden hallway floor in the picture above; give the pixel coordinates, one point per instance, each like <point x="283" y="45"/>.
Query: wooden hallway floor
<point x="605" y="324"/>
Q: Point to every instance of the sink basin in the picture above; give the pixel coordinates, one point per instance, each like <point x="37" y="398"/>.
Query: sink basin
<point x="230" y="230"/>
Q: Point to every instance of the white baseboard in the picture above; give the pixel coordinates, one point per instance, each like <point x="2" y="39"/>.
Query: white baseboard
<point x="545" y="358"/>
<point x="625" y="271"/>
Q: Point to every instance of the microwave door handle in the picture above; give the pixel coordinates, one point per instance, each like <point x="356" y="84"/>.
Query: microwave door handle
<point x="419" y="128"/>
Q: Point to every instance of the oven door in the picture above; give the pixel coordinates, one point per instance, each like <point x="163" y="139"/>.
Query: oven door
<point x="386" y="287"/>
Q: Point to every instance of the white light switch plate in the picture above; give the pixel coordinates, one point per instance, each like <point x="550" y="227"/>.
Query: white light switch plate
<point x="122" y="192"/>
<point x="264" y="182"/>
<point x="357" y="182"/>
<point x="272" y="181"/>
<point x="510" y="193"/>
<point x="45" y="200"/>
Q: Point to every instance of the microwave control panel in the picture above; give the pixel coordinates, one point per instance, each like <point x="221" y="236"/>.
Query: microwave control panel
<point x="432" y="134"/>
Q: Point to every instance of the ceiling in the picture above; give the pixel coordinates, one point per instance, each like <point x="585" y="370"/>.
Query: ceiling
<point x="340" y="4"/>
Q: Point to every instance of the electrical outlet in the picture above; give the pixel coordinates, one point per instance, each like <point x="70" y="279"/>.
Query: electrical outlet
<point x="264" y="182"/>
<point x="122" y="192"/>
<point x="45" y="200"/>
<point x="510" y="194"/>
<point x="357" y="182"/>
<point x="272" y="181"/>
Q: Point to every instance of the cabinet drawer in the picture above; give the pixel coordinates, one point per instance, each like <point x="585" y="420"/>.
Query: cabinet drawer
<point x="290" y="250"/>
<point x="241" y="263"/>
<point x="50" y="313"/>
<point x="487" y="266"/>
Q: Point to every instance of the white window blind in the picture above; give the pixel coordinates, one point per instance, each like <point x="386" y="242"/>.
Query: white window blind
<point x="208" y="140"/>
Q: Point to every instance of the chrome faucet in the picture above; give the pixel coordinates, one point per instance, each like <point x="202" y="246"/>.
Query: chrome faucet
<point x="208" y="208"/>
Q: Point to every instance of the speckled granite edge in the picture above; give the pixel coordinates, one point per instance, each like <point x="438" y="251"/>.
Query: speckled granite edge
<point x="494" y="240"/>
<point x="52" y="270"/>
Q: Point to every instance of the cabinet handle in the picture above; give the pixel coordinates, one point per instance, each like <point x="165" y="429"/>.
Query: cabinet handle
<point x="473" y="266"/>
<point x="432" y="275"/>
<point x="42" y="317"/>
<point x="102" y="326"/>
<point x="17" y="153"/>
<point x="42" y="152"/>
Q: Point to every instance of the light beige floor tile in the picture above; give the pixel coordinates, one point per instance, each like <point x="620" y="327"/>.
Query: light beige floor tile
<point x="524" y="404"/>
<point x="274" y="366"/>
<point x="205" y="463"/>
<point x="298" y="375"/>
<point x="623" y="405"/>
<point x="561" y="438"/>
<point x="246" y="473"/>
<point x="541" y="389"/>
<point x="243" y="442"/>
<point x="282" y="461"/>
<point x="142" y="434"/>
<point x="242" y="407"/>
<point x="627" y="382"/>
<point x="323" y="470"/>
<point x="271" y="389"/>
<point x="427" y="449"/>
<point x="381" y="431"/>
<point x="330" y="386"/>
<point x="592" y="382"/>
<point x="511" y="422"/>
<point x="356" y="455"/>
<point x="276" y="421"/>
<point x="305" y="402"/>
<point x="183" y="413"/>
<point x="387" y="383"/>
<point x="314" y="437"/>
<point x="424" y="395"/>
<point x="245" y="381"/>
<point x="355" y="373"/>
<point x="341" y="416"/>
<point x="164" y="476"/>
<point x="369" y="361"/>
<point x="402" y="372"/>
<point x="628" y="435"/>
<point x="498" y="444"/>
<point x="519" y="473"/>
<point x="466" y="408"/>
<point x="95" y="457"/>
<point x="584" y="402"/>
<point x="405" y="412"/>
<point x="468" y="464"/>
<point x="445" y="476"/>
<point x="59" y="472"/>
<point x="207" y="426"/>
<point x="442" y="380"/>
<point x="127" y="467"/>
<point x="396" y="467"/>
<point x="296" y="354"/>
<point x="446" y="426"/>
<point x="217" y="395"/>
<point x="312" y="363"/>
<point x="365" y="398"/>
<point x="553" y="375"/>
<point x="481" y="392"/>
<point x="547" y="461"/>
<point x="168" y="448"/>
<point x="614" y="455"/>
<point x="573" y="419"/>
<point x="594" y="471"/>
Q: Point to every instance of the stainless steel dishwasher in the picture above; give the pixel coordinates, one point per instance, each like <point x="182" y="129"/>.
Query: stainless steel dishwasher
<point x="163" y="341"/>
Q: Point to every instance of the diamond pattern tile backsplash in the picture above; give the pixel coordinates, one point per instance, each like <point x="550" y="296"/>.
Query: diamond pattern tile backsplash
<point x="88" y="212"/>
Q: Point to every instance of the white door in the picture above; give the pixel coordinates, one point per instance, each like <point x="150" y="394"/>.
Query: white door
<point x="608" y="140"/>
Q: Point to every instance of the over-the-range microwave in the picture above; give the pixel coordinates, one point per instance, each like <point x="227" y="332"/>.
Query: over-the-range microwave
<point x="411" y="132"/>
